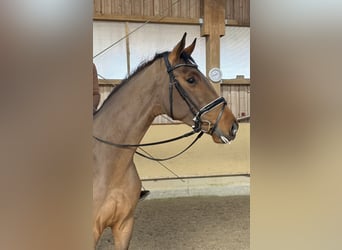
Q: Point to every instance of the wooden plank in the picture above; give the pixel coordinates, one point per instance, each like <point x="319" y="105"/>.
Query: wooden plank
<point x="102" y="7"/>
<point x="117" y="7"/>
<point x="226" y="93"/>
<point x="157" y="8"/>
<point x="175" y="8"/>
<point x="236" y="10"/>
<point x="237" y="13"/>
<point x="243" y="101"/>
<point x="107" y="7"/>
<point x="184" y="8"/>
<point x="112" y="82"/>
<point x="136" y="7"/>
<point x="241" y="9"/>
<point x="147" y="7"/>
<point x="232" y="22"/>
<point x="249" y="100"/>
<point x="229" y="97"/>
<point x="235" y="100"/>
<point x="189" y="11"/>
<point x="239" y="80"/>
<point x="246" y="19"/>
<point x="197" y="8"/>
<point x="127" y="7"/>
<point x="194" y="8"/>
<point x="166" y="9"/>
<point x="230" y="9"/>
<point x="97" y="6"/>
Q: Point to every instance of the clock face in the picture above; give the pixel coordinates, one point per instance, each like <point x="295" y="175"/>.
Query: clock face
<point x="215" y="75"/>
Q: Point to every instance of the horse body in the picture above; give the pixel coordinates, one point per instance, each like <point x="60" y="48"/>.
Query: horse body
<point x="116" y="189"/>
<point x="125" y="117"/>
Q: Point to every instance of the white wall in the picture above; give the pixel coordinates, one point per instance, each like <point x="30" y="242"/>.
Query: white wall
<point x="152" y="38"/>
<point x="112" y="64"/>
<point x="144" y="43"/>
<point x="235" y="52"/>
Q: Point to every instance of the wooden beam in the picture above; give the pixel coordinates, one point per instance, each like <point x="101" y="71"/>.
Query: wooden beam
<point x="111" y="82"/>
<point x="239" y="80"/>
<point x="159" y="19"/>
<point x="232" y="22"/>
<point x="213" y="17"/>
<point x="213" y="28"/>
<point x="150" y="19"/>
<point x="213" y="55"/>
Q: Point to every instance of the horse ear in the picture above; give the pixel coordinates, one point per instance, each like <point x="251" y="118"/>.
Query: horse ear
<point x="190" y="49"/>
<point x="177" y="50"/>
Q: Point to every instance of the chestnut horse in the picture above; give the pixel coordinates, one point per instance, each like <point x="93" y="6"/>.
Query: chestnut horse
<point x="168" y="84"/>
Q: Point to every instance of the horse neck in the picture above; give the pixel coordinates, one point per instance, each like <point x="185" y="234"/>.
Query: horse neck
<point x="129" y="112"/>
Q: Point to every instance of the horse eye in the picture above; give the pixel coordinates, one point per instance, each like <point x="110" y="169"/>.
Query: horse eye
<point x="191" y="80"/>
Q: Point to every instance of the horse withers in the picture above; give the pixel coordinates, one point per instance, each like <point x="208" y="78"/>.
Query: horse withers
<point x="169" y="84"/>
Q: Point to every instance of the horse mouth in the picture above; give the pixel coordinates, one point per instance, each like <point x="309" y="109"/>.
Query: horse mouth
<point x="219" y="137"/>
<point x="224" y="139"/>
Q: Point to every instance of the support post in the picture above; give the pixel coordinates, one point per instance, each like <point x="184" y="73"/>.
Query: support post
<point x="213" y="28"/>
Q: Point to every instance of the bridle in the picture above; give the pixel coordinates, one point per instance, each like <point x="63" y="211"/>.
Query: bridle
<point x="197" y="127"/>
<point x="198" y="122"/>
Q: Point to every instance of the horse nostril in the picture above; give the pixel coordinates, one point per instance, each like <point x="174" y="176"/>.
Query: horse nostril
<point x="234" y="128"/>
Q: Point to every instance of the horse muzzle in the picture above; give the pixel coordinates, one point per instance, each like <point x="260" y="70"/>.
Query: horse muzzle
<point x="202" y="125"/>
<point x="206" y="126"/>
<point x="227" y="138"/>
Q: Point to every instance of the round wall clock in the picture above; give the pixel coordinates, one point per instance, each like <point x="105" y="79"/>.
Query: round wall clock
<point x="215" y="75"/>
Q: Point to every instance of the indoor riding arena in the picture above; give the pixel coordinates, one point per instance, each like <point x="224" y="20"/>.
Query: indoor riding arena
<point x="199" y="199"/>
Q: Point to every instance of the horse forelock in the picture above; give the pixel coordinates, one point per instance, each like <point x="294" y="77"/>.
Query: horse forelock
<point x="187" y="58"/>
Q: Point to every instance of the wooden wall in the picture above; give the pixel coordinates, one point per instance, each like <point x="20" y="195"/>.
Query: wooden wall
<point x="238" y="10"/>
<point x="173" y="11"/>
<point x="235" y="91"/>
<point x="238" y="98"/>
<point x="168" y="11"/>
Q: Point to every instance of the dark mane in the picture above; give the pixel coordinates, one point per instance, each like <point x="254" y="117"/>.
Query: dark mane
<point x="141" y="66"/>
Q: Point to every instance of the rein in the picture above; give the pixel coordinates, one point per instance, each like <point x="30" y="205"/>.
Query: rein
<point x="155" y="143"/>
<point x="197" y="127"/>
<point x="145" y="144"/>
<point x="174" y="156"/>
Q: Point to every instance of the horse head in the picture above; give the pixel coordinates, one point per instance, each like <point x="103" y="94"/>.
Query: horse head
<point x="192" y="98"/>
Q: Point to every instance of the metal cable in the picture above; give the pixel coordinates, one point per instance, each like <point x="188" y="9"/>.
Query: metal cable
<point x="139" y="27"/>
